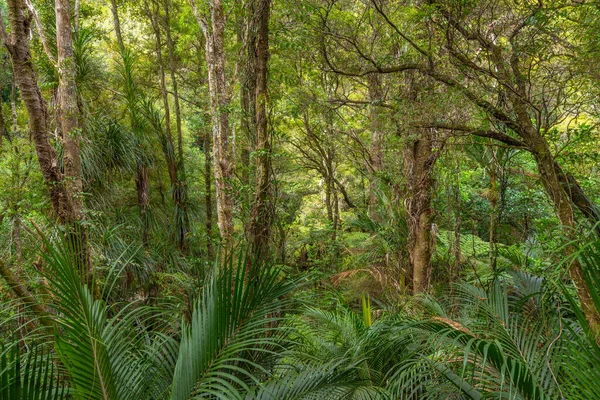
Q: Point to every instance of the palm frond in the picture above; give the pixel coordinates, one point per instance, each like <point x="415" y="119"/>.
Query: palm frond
<point x="233" y="322"/>
<point x="32" y="376"/>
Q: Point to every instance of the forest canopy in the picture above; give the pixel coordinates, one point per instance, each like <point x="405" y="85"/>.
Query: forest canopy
<point x="299" y="199"/>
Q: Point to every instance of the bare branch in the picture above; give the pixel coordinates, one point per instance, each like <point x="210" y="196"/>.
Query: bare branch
<point x="201" y="20"/>
<point x="38" y="24"/>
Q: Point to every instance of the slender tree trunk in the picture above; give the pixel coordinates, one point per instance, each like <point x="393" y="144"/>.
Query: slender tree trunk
<point x="248" y="78"/>
<point x="142" y="179"/>
<point x="206" y="144"/>
<point x="16" y="233"/>
<point x="457" y="226"/>
<point x="142" y="184"/>
<point x="214" y="34"/>
<point x="117" y="25"/>
<point x="13" y="105"/>
<point x="71" y="132"/>
<point x="76" y="15"/>
<point x="180" y="190"/>
<point x="3" y="128"/>
<point x="376" y="152"/>
<point x="493" y="198"/>
<point x="262" y="213"/>
<point x="69" y="112"/>
<point x="177" y="190"/>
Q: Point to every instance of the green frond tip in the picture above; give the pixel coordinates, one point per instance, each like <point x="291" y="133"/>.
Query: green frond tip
<point x="366" y="310"/>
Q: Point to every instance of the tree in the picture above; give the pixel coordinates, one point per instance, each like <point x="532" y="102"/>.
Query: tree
<point x="262" y="209"/>
<point x="213" y="29"/>
<point x="65" y="188"/>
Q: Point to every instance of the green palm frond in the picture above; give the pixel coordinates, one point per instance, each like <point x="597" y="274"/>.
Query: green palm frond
<point x="579" y="363"/>
<point x="331" y="381"/>
<point x="32" y="376"/>
<point x="232" y="326"/>
<point x="502" y="344"/>
<point x="105" y="357"/>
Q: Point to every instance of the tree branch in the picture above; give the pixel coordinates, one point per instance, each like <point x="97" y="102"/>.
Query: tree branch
<point x="25" y="295"/>
<point x="486" y="133"/>
<point x="40" y="30"/>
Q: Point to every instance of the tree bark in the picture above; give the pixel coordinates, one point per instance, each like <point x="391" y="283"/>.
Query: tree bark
<point x="214" y="34"/>
<point x="248" y="77"/>
<point x="71" y="132"/>
<point x="3" y="128"/>
<point x="25" y="76"/>
<point x="206" y="144"/>
<point x="376" y="152"/>
<point x="262" y="212"/>
<point x="65" y="190"/>
<point x="117" y="24"/>
<point x="419" y="159"/>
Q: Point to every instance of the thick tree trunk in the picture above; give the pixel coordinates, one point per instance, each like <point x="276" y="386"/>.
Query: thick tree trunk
<point x="419" y="159"/>
<point x="25" y="76"/>
<point x="554" y="179"/>
<point x="65" y="194"/>
<point x="262" y="213"/>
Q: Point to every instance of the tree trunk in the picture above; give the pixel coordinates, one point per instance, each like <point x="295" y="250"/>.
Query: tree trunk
<point x="142" y="185"/>
<point x="493" y="199"/>
<point x="3" y="128"/>
<point x="178" y="193"/>
<point x="71" y="131"/>
<point x="248" y="78"/>
<point x="65" y="194"/>
<point x="262" y="213"/>
<point x="376" y="152"/>
<point x="206" y="144"/>
<point x="553" y="180"/>
<point x="219" y="105"/>
<point x="419" y="159"/>
<point x="142" y="179"/>
<point x="117" y="24"/>
<point x="25" y="76"/>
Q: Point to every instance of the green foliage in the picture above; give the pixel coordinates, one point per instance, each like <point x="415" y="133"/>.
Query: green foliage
<point x="30" y="376"/>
